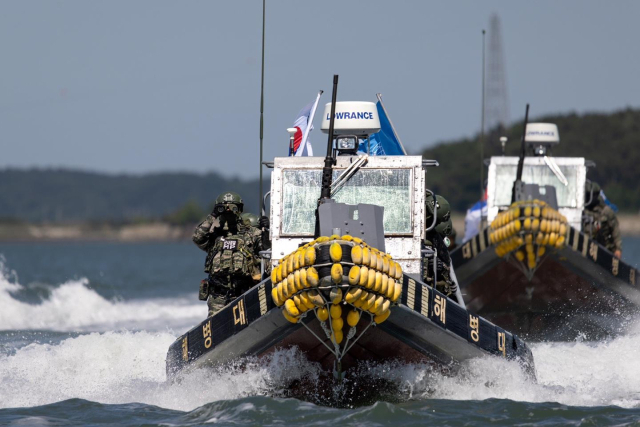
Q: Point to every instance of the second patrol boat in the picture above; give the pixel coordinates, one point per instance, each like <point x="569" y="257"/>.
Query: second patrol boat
<point x="533" y="268"/>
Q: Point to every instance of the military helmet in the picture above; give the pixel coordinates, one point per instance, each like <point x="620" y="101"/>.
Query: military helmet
<point x="230" y="198"/>
<point x="590" y="186"/>
<point x="251" y="218"/>
<point x="444" y="228"/>
<point x="443" y="209"/>
<point x="591" y="193"/>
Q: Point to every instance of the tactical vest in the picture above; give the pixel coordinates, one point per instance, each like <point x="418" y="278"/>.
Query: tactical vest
<point x="230" y="255"/>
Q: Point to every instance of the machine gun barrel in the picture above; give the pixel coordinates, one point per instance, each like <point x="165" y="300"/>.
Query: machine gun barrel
<point x="327" y="171"/>
<point x="521" y="161"/>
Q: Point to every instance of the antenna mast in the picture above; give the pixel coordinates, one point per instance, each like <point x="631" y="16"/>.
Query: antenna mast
<point x="262" y="103"/>
<point x="482" y="126"/>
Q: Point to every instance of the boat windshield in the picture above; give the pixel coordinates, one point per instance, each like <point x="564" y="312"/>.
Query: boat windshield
<point x="389" y="188"/>
<point x="541" y="175"/>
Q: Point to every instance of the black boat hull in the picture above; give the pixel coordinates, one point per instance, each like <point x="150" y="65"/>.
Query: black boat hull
<point x="579" y="290"/>
<point x="416" y="331"/>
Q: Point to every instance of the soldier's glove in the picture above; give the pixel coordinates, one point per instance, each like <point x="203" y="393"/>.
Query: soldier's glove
<point x="263" y="222"/>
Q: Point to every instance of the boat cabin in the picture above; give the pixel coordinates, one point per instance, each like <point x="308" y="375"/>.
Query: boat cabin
<point x="564" y="175"/>
<point x="396" y="183"/>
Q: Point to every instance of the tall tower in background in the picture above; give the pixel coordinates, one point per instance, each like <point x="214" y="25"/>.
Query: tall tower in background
<point x="497" y="102"/>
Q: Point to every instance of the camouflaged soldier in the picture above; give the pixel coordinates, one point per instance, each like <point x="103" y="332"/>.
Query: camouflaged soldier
<point x="232" y="248"/>
<point x="599" y="221"/>
<point x="438" y="240"/>
<point x="255" y="226"/>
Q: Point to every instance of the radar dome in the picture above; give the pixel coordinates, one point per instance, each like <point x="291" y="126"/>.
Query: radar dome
<point x="542" y="134"/>
<point x="352" y="118"/>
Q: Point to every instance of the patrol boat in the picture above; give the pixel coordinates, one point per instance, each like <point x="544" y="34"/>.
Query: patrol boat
<point x="345" y="283"/>
<point x="532" y="269"/>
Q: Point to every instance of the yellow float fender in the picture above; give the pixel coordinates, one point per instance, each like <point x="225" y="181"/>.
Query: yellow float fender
<point x="299" y="304"/>
<point x="335" y="311"/>
<point x="366" y="256"/>
<point x="310" y="256"/>
<point x="296" y="280"/>
<point x="281" y="293"/>
<point x="364" y="276"/>
<point x="290" y="318"/>
<point x="290" y="308"/>
<point x="322" y="314"/>
<point x="274" y="296"/>
<point x="352" y="295"/>
<point x="312" y="276"/>
<point x="316" y="298"/>
<point x="368" y="303"/>
<point x="378" y="282"/>
<point x="335" y="251"/>
<point x="385" y="264"/>
<point x="354" y="275"/>
<point x="353" y="318"/>
<point x="337" y="324"/>
<point x="296" y="260"/>
<point x="398" y="271"/>
<point x="377" y="305"/>
<point x="397" y="292"/>
<point x="382" y="317"/>
<point x="383" y="284"/>
<point x="291" y="284"/>
<point x="392" y="268"/>
<point x="336" y="273"/>
<point x="304" y="297"/>
<point x="303" y="278"/>
<point x="356" y="254"/>
<point x="336" y="295"/>
<point x="371" y="280"/>
<point x="337" y="337"/>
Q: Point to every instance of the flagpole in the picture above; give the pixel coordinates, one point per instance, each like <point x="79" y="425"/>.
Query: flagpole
<point x="482" y="127"/>
<point x="307" y="131"/>
<point x="262" y="104"/>
<point x="393" y="128"/>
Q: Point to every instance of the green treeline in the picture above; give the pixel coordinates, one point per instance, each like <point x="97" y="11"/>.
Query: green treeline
<point x="611" y="140"/>
<point x="62" y="195"/>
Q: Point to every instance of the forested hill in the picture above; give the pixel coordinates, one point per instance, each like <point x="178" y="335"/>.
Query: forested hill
<point x="67" y="195"/>
<point x="36" y="195"/>
<point x="611" y="140"/>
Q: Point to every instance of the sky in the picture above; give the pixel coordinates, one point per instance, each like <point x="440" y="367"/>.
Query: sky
<point x="149" y="86"/>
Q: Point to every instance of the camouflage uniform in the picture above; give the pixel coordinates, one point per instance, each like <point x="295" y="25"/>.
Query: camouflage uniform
<point x="438" y="240"/>
<point x="232" y="262"/>
<point x="601" y="224"/>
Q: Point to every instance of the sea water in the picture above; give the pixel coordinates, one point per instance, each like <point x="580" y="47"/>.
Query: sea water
<point x="85" y="327"/>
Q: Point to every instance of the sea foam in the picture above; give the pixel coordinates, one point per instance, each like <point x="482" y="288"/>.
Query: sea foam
<point x="74" y="306"/>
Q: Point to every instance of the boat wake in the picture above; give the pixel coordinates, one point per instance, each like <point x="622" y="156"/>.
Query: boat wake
<point x="123" y="367"/>
<point x="74" y="306"/>
<point x="108" y="364"/>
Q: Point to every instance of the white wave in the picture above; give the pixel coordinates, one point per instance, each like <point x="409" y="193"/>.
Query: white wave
<point x="576" y="374"/>
<point x="123" y="367"/>
<point x="73" y="306"/>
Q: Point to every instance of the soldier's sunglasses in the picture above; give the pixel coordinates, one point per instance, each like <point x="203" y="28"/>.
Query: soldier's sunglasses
<point x="227" y="206"/>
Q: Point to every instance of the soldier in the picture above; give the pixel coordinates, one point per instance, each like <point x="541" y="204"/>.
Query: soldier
<point x="438" y="240"/>
<point x="232" y="247"/>
<point x="253" y="221"/>
<point x="599" y="221"/>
